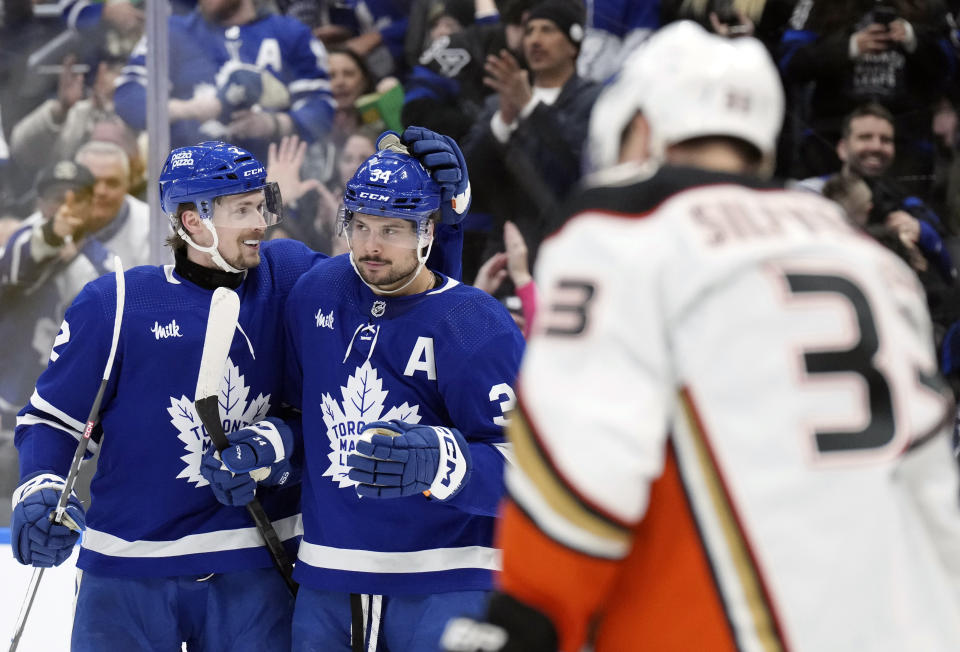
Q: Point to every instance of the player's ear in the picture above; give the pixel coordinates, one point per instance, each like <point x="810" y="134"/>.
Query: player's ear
<point x="191" y="221"/>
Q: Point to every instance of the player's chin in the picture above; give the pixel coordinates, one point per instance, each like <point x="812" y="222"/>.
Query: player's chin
<point x="376" y="277"/>
<point x="248" y="257"/>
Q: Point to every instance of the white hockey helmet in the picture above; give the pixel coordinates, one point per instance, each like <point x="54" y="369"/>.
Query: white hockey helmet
<point x="690" y="83"/>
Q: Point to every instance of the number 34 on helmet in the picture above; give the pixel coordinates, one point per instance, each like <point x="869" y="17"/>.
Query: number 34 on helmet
<point x="391" y="183"/>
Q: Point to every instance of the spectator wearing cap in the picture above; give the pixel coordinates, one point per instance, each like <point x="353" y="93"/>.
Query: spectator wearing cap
<point x="447" y="48"/>
<point x="524" y="153"/>
<point x="64" y="191"/>
<point x="83" y="218"/>
<point x="56" y="129"/>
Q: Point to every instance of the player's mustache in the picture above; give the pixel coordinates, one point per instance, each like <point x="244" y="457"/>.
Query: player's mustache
<point x="373" y="259"/>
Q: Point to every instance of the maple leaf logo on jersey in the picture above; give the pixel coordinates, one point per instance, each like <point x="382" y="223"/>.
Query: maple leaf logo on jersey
<point x="236" y="411"/>
<point x="363" y="402"/>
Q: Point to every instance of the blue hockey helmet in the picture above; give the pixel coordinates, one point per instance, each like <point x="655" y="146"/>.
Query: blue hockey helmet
<point x="392" y="183"/>
<point x="198" y="174"/>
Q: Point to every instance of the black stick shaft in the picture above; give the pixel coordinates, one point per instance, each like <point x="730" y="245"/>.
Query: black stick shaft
<point x="208" y="409"/>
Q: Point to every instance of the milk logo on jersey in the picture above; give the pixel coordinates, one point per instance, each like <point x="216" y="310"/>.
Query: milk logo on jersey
<point x="236" y="411"/>
<point x="324" y="320"/>
<point x="363" y="401"/>
<point x="163" y="332"/>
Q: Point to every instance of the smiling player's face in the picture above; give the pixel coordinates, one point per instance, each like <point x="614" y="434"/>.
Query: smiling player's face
<point x="241" y="228"/>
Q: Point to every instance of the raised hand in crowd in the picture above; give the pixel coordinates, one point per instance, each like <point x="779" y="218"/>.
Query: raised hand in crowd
<point x="123" y="16"/>
<point x="202" y="106"/>
<point x="510" y="81"/>
<point x="254" y="124"/>
<point x="875" y="38"/>
<point x="70" y="219"/>
<point x="512" y="263"/>
<point x="517" y="264"/>
<point x="907" y="229"/>
<point x="492" y="273"/>
<point x="902" y="32"/>
<point x="284" y="161"/>
<point x="738" y="24"/>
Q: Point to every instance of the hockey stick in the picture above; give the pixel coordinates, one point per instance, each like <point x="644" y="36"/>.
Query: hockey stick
<point x="224" y="310"/>
<point x="59" y="515"/>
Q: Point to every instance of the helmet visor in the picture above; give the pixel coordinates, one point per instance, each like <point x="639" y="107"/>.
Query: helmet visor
<point x="258" y="208"/>
<point x="362" y="230"/>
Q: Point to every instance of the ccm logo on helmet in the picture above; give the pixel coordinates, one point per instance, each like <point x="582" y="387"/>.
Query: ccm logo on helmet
<point x="373" y="196"/>
<point x="250" y="173"/>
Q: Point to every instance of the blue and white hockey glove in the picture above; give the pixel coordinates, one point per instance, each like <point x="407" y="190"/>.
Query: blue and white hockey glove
<point x="258" y="453"/>
<point x="395" y="459"/>
<point x="258" y="446"/>
<point x="442" y="157"/>
<point x="35" y="540"/>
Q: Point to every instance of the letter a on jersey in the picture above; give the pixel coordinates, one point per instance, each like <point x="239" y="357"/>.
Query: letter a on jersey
<point x="421" y="359"/>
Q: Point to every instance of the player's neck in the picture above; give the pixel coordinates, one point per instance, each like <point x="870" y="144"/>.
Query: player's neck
<point x="711" y="156"/>
<point x="207" y="277"/>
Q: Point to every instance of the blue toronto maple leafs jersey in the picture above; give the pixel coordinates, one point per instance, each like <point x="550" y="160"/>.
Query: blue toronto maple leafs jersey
<point x="152" y="513"/>
<point x="199" y="49"/>
<point x="445" y="357"/>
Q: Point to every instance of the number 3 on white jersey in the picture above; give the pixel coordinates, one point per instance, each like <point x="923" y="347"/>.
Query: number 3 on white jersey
<point x="859" y="357"/>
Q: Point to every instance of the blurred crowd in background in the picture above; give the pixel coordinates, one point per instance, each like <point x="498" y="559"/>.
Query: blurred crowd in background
<point x="308" y="85"/>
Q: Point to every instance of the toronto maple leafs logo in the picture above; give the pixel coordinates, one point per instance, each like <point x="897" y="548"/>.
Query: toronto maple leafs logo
<point x="364" y="401"/>
<point x="236" y="412"/>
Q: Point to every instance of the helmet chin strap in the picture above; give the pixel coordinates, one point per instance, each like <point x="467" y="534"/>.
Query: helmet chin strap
<point x="212" y="249"/>
<point x="421" y="259"/>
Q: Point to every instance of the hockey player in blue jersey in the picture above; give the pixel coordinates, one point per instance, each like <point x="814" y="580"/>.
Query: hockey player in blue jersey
<point x="397" y="526"/>
<point x="164" y="559"/>
<point x="237" y="73"/>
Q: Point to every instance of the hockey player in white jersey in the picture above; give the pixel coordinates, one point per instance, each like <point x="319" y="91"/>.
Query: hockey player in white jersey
<point x="730" y="428"/>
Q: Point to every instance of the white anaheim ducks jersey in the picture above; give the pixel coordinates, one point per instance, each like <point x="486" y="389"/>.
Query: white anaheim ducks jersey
<point x="732" y="431"/>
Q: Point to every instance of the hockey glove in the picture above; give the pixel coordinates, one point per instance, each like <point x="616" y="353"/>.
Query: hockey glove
<point x="257" y="453"/>
<point x="411" y="460"/>
<point x="442" y="157"/>
<point x="258" y="446"/>
<point x="231" y="489"/>
<point x="36" y="540"/>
